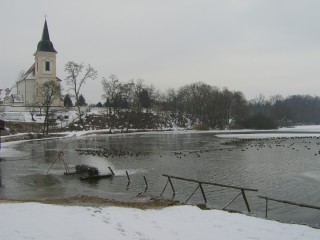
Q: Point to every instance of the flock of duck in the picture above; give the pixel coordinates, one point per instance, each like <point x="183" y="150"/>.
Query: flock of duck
<point x="291" y="143"/>
<point x="108" y="152"/>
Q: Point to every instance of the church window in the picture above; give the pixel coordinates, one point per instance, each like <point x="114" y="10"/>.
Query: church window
<point x="47" y="66"/>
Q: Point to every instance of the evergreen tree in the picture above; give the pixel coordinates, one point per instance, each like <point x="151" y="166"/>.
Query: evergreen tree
<point x="99" y="104"/>
<point x="67" y="101"/>
<point x="82" y="101"/>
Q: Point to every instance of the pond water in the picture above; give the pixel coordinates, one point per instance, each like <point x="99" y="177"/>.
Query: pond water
<point x="282" y="168"/>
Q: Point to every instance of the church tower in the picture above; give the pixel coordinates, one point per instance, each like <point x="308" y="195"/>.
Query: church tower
<point x="45" y="58"/>
<point x="45" y="65"/>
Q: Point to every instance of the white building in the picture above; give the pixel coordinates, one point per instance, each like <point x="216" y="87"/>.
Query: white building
<point x="28" y="89"/>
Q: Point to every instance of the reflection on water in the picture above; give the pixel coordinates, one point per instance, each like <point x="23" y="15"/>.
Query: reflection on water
<point x="39" y="180"/>
<point x="287" y="169"/>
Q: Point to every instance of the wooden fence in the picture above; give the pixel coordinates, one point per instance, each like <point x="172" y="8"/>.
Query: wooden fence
<point x="200" y="186"/>
<point x="287" y="202"/>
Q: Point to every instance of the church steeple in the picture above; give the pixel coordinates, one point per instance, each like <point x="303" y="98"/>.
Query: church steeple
<point x="45" y="45"/>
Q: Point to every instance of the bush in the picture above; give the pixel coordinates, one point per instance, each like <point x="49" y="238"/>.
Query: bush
<point x="201" y="127"/>
<point x="260" y="121"/>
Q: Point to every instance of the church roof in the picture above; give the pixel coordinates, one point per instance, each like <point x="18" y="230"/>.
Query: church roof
<point x="30" y="74"/>
<point x="45" y="45"/>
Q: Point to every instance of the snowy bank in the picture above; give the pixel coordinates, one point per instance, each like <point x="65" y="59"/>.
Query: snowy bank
<point x="42" y="221"/>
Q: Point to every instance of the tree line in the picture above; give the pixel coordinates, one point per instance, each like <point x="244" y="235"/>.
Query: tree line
<point x="132" y="104"/>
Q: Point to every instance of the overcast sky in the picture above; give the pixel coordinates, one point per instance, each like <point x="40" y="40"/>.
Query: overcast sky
<point x="254" y="46"/>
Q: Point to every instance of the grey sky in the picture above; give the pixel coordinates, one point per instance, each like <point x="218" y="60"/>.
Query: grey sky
<point x="254" y="46"/>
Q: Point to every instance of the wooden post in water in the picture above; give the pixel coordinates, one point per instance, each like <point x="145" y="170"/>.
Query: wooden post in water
<point x="128" y="180"/>
<point x="145" y="180"/>
<point x="111" y="171"/>
<point x="128" y="177"/>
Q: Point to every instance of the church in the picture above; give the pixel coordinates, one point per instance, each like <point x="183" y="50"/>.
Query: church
<point x="29" y="87"/>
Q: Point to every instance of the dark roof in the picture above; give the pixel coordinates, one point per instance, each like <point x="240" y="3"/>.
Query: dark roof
<point x="45" y="45"/>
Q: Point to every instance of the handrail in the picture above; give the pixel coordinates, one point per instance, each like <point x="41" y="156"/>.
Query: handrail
<point x="200" y="183"/>
<point x="210" y="183"/>
<point x="287" y="202"/>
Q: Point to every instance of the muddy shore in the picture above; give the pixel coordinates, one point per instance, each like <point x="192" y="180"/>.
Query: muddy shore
<point x="90" y="201"/>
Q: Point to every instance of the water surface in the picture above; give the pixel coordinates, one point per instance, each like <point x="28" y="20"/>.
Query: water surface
<point x="287" y="168"/>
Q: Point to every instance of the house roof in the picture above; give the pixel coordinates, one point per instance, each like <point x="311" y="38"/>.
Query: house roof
<point x="45" y="45"/>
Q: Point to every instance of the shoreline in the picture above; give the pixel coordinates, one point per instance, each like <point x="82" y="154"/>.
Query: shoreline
<point x="92" y="201"/>
<point x="299" y="131"/>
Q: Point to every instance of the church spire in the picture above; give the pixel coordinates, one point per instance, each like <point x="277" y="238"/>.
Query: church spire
<point x="45" y="45"/>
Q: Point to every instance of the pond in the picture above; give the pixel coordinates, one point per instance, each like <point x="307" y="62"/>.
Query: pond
<point x="283" y="168"/>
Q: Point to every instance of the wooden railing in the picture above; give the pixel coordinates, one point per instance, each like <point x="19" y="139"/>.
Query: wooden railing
<point x="287" y="202"/>
<point x="200" y="185"/>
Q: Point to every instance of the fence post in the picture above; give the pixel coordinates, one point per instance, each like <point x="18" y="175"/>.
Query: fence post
<point x="245" y="200"/>
<point x="174" y="192"/>
<point x="266" y="207"/>
<point x="203" y="194"/>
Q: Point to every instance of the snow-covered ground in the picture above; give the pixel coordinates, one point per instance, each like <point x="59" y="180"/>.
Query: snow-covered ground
<point x="42" y="221"/>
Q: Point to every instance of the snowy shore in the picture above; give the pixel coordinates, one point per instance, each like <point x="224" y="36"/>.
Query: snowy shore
<point x="45" y="221"/>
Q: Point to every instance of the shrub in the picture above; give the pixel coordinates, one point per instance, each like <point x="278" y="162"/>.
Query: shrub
<point x="201" y="127"/>
<point x="260" y="121"/>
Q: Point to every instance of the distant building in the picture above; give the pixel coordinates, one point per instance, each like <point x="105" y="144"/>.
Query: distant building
<point x="28" y="89"/>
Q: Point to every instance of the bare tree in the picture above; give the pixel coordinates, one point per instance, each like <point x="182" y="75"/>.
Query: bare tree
<point x="76" y="78"/>
<point x="32" y="107"/>
<point x="48" y="92"/>
<point x="112" y="88"/>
